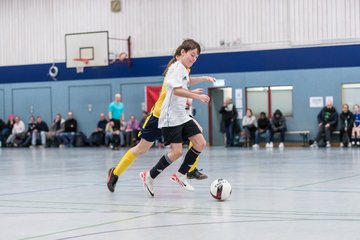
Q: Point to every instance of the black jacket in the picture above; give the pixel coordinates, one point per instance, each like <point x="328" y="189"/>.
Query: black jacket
<point x="2" y="124"/>
<point x="10" y="125"/>
<point x="42" y="127"/>
<point x="346" y="120"/>
<point x="70" y="125"/>
<point x="263" y="123"/>
<point x="228" y="116"/>
<point x="327" y="115"/>
<point x="31" y="127"/>
<point x="102" y="124"/>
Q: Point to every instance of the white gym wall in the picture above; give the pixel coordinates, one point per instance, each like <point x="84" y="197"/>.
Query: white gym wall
<point x="32" y="31"/>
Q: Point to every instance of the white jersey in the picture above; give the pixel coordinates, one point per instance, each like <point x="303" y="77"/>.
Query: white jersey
<point x="173" y="112"/>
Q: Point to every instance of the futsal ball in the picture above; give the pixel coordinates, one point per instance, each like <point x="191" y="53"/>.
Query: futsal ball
<point x="220" y="189"/>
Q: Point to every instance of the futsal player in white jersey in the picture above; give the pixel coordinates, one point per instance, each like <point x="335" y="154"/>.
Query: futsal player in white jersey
<point x="175" y="123"/>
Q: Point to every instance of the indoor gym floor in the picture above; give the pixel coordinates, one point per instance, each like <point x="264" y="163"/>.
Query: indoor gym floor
<point x="297" y="193"/>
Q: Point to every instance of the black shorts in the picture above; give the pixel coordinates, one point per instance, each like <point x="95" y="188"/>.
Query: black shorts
<point x="150" y="131"/>
<point x="180" y="133"/>
<point x="116" y="124"/>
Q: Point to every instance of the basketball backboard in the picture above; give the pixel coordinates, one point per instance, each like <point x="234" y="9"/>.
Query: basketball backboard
<point x="90" y="49"/>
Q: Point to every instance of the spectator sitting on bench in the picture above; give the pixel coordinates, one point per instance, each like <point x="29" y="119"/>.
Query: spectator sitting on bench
<point x="7" y="129"/>
<point x="39" y="132"/>
<point x="278" y="125"/>
<point x="131" y="130"/>
<point x="346" y="123"/>
<point x="355" y="135"/>
<point x="249" y="125"/>
<point x="114" y="138"/>
<point x="263" y="124"/>
<point x="67" y="137"/>
<point x="97" y="138"/>
<point x="29" y="133"/>
<point x="328" y="120"/>
<point x="18" y="133"/>
<point x="56" y="128"/>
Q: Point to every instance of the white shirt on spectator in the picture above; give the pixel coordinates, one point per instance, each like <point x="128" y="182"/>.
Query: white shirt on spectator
<point x="247" y="121"/>
<point x="18" y="127"/>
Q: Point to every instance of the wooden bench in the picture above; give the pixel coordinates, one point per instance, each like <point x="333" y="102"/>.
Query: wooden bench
<point x="304" y="134"/>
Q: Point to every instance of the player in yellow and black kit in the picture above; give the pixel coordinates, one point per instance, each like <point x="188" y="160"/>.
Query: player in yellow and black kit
<point x="149" y="134"/>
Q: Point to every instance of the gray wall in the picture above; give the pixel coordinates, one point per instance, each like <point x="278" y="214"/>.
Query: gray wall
<point x="50" y="98"/>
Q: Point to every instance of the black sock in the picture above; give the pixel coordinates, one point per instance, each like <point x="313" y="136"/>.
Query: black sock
<point x="189" y="160"/>
<point x="163" y="163"/>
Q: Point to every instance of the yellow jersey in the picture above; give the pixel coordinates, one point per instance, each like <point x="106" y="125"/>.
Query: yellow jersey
<point x="156" y="109"/>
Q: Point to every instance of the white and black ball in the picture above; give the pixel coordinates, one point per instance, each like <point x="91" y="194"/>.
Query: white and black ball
<point x="220" y="189"/>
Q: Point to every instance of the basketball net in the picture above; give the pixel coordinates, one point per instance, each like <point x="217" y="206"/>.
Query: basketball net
<point x="85" y="61"/>
<point x="79" y="69"/>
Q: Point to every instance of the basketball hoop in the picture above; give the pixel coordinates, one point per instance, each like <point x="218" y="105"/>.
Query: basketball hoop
<point x="83" y="60"/>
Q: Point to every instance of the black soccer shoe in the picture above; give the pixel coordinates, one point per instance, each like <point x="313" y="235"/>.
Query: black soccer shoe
<point x="196" y="174"/>
<point x="111" y="180"/>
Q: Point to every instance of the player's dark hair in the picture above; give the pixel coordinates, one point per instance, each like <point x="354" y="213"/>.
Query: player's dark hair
<point x="187" y="45"/>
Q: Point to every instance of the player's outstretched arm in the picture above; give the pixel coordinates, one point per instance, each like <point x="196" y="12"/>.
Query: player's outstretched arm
<point x="181" y="92"/>
<point x="197" y="90"/>
<point x="195" y="80"/>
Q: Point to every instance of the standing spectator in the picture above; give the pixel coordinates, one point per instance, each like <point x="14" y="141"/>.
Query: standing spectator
<point x="249" y="125"/>
<point x="327" y="120"/>
<point x="346" y="123"/>
<point x="67" y="137"/>
<point x="355" y="134"/>
<point x="56" y="128"/>
<point x="97" y="138"/>
<point x="229" y="115"/>
<point x="278" y="125"/>
<point x="29" y="133"/>
<point x="39" y="132"/>
<point x="116" y="112"/>
<point x="6" y="131"/>
<point x="18" y="133"/>
<point x="131" y="130"/>
<point x="263" y="124"/>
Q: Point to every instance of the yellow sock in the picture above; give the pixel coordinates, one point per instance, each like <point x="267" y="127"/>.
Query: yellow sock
<point x="197" y="160"/>
<point x="125" y="162"/>
<point x="194" y="165"/>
